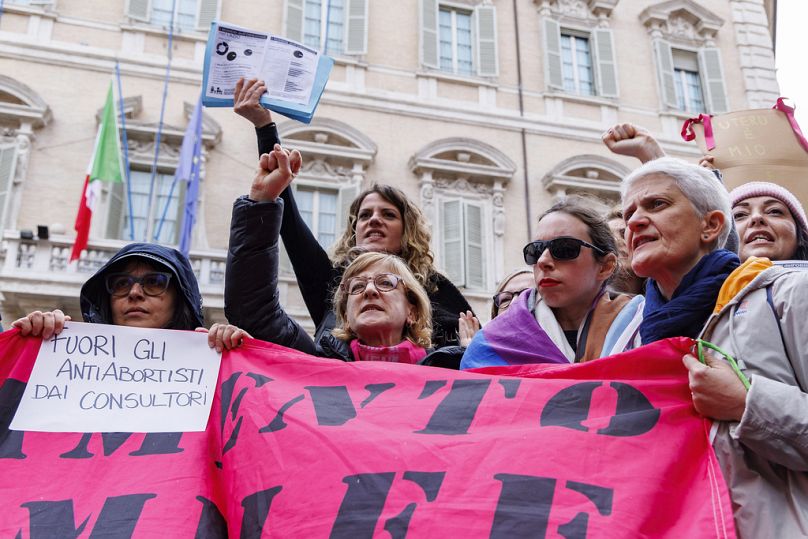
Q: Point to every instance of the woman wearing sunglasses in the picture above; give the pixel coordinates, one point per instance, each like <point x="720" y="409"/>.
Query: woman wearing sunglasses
<point x="142" y="285"/>
<point x="568" y="315"/>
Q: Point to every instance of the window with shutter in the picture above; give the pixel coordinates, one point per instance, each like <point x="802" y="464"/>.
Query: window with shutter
<point x="188" y="15"/>
<point x="463" y="242"/>
<point x="457" y="40"/>
<point x="712" y="74"/>
<point x="8" y="158"/>
<point x="335" y="27"/>
<point x="452" y="228"/>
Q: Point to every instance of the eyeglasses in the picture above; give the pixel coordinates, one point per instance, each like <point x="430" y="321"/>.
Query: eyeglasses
<point x="384" y="282"/>
<point x="503" y="299"/>
<point x="153" y="284"/>
<point x="563" y="248"/>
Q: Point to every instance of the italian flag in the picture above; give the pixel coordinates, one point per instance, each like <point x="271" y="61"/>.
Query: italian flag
<point x="105" y="165"/>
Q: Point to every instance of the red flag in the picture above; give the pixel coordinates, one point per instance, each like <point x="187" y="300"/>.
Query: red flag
<point x="299" y="446"/>
<point x="105" y="165"/>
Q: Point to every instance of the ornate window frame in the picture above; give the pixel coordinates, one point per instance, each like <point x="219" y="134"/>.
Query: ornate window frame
<point x="23" y="111"/>
<point x="477" y="174"/>
<point x="600" y="177"/>
<point x="141" y="138"/>
<point x="690" y="27"/>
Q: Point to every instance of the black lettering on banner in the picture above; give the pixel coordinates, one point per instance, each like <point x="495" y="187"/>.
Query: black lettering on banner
<point x="510" y="387"/>
<point x="332" y="404"/>
<point x="278" y="422"/>
<point x="430" y="387"/>
<point x="256" y="509"/>
<point x="523" y="508"/>
<point x="154" y="443"/>
<point x="570" y="407"/>
<point x="398" y="525"/>
<point x="10" y="440"/>
<point x="212" y="524"/>
<point x="600" y="496"/>
<point x="374" y="391"/>
<point x="364" y="501"/>
<point x="456" y="411"/>
<point x="525" y="502"/>
<point x="362" y="505"/>
<point x="634" y="414"/>
<point x="118" y="518"/>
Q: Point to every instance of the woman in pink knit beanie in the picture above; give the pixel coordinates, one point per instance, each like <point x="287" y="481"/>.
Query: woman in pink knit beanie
<point x="770" y="221"/>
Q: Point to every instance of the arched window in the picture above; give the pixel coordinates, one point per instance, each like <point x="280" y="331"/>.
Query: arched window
<point x="591" y="175"/>
<point x="462" y="183"/>
<point x="336" y="158"/>
<point x="689" y="68"/>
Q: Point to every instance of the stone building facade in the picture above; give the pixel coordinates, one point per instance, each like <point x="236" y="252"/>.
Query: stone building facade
<point x="483" y="111"/>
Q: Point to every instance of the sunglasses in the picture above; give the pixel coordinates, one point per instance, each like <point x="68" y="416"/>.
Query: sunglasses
<point x="503" y="299"/>
<point x="384" y="282"/>
<point x="563" y="248"/>
<point x="152" y="284"/>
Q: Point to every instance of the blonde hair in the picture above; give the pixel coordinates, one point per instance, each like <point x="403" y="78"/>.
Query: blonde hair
<point x="420" y="331"/>
<point x="415" y="236"/>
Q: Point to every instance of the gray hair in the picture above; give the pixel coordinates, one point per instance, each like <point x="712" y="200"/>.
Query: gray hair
<point x="699" y="185"/>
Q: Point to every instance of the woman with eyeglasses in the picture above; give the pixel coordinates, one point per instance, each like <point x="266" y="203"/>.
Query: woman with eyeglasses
<point x="568" y="315"/>
<point x="142" y="285"/>
<point x="381" y="218"/>
<point x="382" y="311"/>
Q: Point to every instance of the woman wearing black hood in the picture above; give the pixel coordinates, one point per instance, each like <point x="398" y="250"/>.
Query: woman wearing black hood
<point x="142" y="285"/>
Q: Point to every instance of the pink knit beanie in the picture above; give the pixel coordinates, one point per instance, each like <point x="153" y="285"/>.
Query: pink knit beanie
<point x="763" y="189"/>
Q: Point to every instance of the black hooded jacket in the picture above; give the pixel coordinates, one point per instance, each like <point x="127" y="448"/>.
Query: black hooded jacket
<point x="94" y="297"/>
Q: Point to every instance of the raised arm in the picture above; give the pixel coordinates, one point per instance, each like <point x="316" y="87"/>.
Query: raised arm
<point x="251" y="284"/>
<point x="310" y="262"/>
<point x="633" y="141"/>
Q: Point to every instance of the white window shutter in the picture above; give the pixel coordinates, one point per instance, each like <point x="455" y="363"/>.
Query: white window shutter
<point x="206" y="12"/>
<point x="140" y="10"/>
<point x="552" y="54"/>
<point x="345" y="198"/>
<point x="712" y="76"/>
<point x="115" y="209"/>
<point x="452" y="225"/>
<point x="293" y="10"/>
<point x="356" y="31"/>
<point x="607" y="66"/>
<point x="429" y="33"/>
<point x="475" y="265"/>
<point x="486" y="17"/>
<point x="8" y="159"/>
<point x="664" y="61"/>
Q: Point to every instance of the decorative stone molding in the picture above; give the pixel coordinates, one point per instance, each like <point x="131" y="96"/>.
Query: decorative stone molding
<point x="755" y="52"/>
<point x="330" y="139"/>
<point x="587" y="12"/>
<point x="20" y="105"/>
<point x="463" y="158"/>
<point x="683" y="20"/>
<point x="591" y="174"/>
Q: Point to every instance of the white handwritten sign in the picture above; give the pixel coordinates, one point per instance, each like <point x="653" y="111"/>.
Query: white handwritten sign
<point x="104" y="378"/>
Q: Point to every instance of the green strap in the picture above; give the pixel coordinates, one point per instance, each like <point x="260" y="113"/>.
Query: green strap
<point x="700" y="344"/>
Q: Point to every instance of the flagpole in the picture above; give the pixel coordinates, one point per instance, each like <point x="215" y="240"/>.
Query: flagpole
<point x="152" y="193"/>
<point x="125" y="143"/>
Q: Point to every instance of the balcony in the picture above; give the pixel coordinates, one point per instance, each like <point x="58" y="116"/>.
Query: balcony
<point x="35" y="275"/>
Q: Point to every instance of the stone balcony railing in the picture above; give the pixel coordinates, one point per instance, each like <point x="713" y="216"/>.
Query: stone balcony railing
<point x="36" y="273"/>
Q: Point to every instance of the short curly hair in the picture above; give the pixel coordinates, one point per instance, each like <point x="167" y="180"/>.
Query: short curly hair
<point x="420" y="331"/>
<point x="415" y="238"/>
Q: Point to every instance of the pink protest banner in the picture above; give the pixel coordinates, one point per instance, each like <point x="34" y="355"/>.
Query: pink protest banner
<point x="298" y="446"/>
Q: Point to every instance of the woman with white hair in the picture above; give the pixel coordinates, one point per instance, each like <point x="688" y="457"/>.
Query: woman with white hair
<point x="677" y="218"/>
<point x="677" y="215"/>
